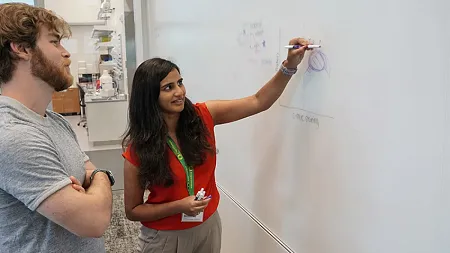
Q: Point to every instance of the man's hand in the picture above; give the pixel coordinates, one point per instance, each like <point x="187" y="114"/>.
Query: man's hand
<point x="89" y="167"/>
<point x="77" y="185"/>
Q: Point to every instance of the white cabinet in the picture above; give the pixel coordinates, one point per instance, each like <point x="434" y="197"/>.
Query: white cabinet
<point x="106" y="119"/>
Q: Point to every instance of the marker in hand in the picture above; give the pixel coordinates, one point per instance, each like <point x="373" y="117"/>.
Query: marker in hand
<point x="200" y="194"/>
<point x="299" y="46"/>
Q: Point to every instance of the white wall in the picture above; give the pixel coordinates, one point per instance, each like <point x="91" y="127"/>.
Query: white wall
<point x="30" y="2"/>
<point x="85" y="11"/>
<point x="141" y="31"/>
<point x="75" y="12"/>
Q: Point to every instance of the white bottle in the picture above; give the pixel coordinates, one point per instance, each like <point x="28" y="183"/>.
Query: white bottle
<point x="105" y="5"/>
<point x="106" y="81"/>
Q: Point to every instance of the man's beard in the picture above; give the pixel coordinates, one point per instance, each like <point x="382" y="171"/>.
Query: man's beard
<point x="54" y="75"/>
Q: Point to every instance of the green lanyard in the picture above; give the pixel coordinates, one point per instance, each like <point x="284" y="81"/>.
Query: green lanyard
<point x="188" y="169"/>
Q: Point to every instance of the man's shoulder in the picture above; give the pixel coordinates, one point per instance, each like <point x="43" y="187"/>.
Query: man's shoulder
<point x="58" y="118"/>
<point x="55" y="115"/>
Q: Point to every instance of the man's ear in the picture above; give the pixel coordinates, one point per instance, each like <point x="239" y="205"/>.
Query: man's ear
<point x="20" y="51"/>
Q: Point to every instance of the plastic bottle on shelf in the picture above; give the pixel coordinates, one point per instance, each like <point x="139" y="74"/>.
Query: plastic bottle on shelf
<point x="106" y="81"/>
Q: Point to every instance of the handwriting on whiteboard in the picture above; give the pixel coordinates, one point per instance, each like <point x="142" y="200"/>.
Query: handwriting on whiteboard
<point x="260" y="62"/>
<point x="306" y="119"/>
<point x="252" y="36"/>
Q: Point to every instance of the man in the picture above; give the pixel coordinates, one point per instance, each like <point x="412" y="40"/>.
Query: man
<point x="44" y="207"/>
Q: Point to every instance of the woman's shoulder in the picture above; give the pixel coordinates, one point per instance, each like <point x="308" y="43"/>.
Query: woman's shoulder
<point x="203" y="112"/>
<point x="130" y="155"/>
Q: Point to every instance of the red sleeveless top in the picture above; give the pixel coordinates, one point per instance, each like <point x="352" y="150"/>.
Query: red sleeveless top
<point x="204" y="177"/>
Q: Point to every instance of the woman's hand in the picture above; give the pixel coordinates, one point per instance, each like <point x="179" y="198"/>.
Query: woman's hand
<point x="192" y="207"/>
<point x="295" y="56"/>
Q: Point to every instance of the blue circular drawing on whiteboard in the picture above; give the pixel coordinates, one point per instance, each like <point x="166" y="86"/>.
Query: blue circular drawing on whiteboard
<point x="317" y="62"/>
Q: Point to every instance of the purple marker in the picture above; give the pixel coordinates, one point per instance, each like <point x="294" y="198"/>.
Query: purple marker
<point x="299" y="46"/>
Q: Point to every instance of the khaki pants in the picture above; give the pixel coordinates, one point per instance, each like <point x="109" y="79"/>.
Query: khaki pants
<point x="204" y="238"/>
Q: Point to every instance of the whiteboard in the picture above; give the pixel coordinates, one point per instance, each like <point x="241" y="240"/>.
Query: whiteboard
<point x="354" y="156"/>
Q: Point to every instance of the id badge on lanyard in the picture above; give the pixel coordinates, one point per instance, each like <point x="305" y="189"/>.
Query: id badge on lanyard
<point x="189" y="180"/>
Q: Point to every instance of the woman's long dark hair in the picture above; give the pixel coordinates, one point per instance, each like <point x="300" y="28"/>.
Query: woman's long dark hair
<point x="147" y="132"/>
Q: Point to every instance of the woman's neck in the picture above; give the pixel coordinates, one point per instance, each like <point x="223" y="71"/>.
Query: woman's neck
<point x="171" y="122"/>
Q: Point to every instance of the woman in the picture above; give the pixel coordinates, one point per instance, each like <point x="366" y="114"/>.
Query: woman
<point x="170" y="150"/>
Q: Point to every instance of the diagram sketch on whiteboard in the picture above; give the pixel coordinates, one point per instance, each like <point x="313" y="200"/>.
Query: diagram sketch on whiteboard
<point x="252" y="36"/>
<point x="317" y="62"/>
<point x="312" y="83"/>
<point x="256" y="43"/>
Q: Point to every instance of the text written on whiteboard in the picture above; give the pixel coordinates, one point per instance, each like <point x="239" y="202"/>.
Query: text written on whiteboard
<point x="306" y="119"/>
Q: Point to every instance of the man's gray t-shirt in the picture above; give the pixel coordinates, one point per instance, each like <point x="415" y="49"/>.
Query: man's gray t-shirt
<point x="37" y="157"/>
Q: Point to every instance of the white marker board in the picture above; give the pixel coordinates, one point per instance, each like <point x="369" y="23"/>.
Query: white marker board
<point x="354" y="156"/>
